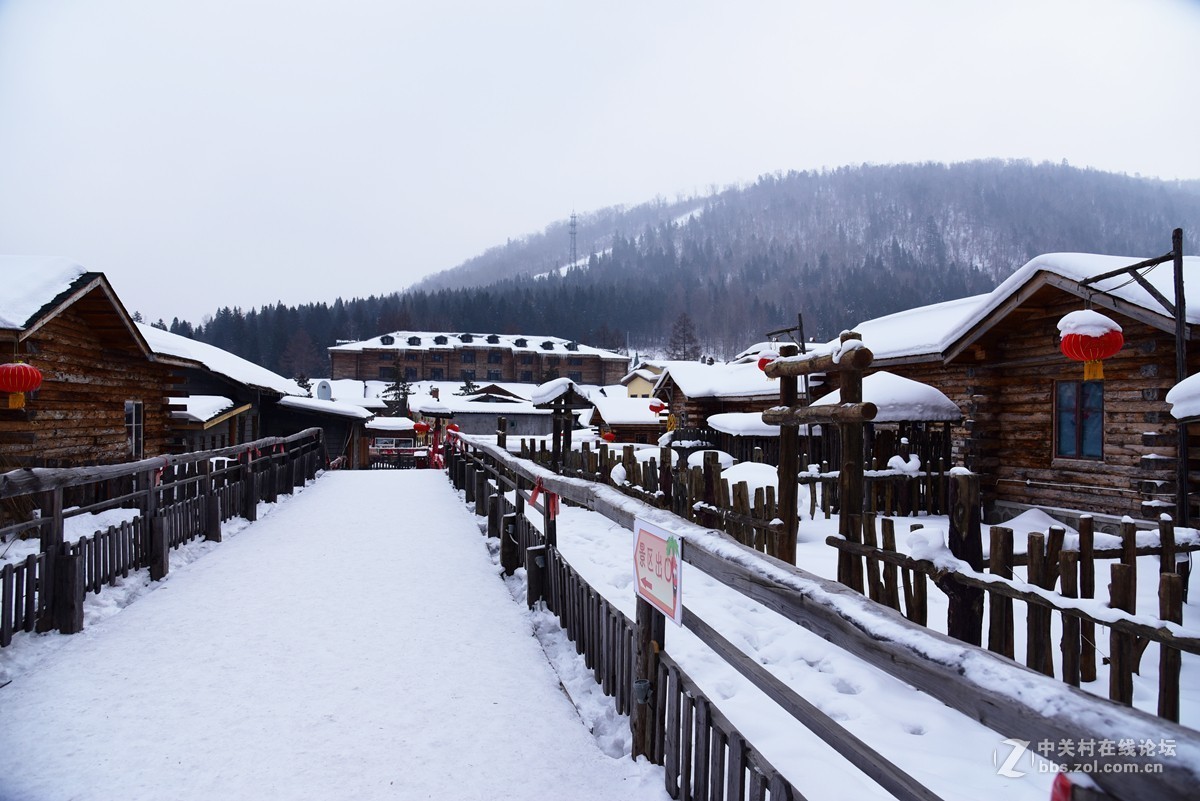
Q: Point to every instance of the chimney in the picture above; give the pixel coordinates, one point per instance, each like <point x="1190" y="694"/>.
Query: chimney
<point x="433" y="393"/>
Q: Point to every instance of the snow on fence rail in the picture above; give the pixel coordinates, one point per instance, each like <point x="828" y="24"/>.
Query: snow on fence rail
<point x="1008" y="698"/>
<point x="171" y="500"/>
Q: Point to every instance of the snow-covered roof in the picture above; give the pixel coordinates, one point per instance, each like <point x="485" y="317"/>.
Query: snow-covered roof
<point x="325" y="407"/>
<point x="923" y="331"/>
<point x="742" y="424"/>
<point x="1184" y="398"/>
<point x="642" y="373"/>
<point x="430" y="407"/>
<point x="625" y="411"/>
<point x="898" y="398"/>
<point x="30" y="282"/>
<point x="930" y="331"/>
<point x="428" y="340"/>
<point x="199" y="408"/>
<point x="390" y="424"/>
<point x="218" y="361"/>
<point x="720" y="380"/>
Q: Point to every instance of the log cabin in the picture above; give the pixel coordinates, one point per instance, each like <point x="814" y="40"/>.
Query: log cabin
<point x="1041" y="433"/>
<point x="103" y="398"/>
<point x="627" y="419"/>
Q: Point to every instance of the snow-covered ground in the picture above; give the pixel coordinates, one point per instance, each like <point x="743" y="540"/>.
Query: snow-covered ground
<point x="355" y="642"/>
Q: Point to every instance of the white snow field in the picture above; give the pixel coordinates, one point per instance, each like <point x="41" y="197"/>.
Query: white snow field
<point x="354" y="643"/>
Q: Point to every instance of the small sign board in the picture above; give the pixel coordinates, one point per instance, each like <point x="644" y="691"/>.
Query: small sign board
<point x="657" y="569"/>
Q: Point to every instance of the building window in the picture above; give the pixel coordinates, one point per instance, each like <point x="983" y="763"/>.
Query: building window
<point x="135" y="430"/>
<point x="468" y="375"/>
<point x="526" y="358"/>
<point x="386" y="357"/>
<point x="410" y="374"/>
<point x="495" y="357"/>
<point x="493" y="375"/>
<point x="575" y="361"/>
<point x="552" y="360"/>
<point x="436" y="374"/>
<point x="527" y="376"/>
<point x="412" y="356"/>
<point x="387" y="373"/>
<point x="468" y="357"/>
<point x="1079" y="419"/>
<point x="575" y="376"/>
<point x="437" y="357"/>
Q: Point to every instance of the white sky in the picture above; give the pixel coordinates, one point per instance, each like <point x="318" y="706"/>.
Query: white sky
<point x="240" y="152"/>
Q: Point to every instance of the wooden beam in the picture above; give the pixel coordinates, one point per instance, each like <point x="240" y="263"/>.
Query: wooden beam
<point x="857" y="359"/>
<point x="842" y="413"/>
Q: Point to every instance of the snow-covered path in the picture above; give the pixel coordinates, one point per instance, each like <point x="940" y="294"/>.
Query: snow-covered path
<point x="354" y="643"/>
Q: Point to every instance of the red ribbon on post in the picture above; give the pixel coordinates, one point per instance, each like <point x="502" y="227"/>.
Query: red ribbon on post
<point x="551" y="504"/>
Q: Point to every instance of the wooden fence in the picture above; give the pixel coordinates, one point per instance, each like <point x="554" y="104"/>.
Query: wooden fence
<point x="175" y="498"/>
<point x="704" y="755"/>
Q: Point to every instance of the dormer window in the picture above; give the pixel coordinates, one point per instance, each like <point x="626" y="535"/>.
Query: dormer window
<point x="547" y="345"/>
<point x="521" y="343"/>
<point x="467" y="338"/>
<point x="572" y="346"/>
<point x="493" y="339"/>
<point x="440" y="339"/>
<point x="387" y="339"/>
<point x="414" y="341"/>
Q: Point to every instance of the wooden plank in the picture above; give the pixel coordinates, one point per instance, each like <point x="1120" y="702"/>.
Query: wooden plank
<point x="735" y="779"/>
<point x="672" y="753"/>
<point x="7" y="603"/>
<point x="1170" y="663"/>
<point x="855" y="751"/>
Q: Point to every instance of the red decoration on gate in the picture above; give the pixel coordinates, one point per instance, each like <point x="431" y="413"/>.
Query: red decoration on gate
<point x="17" y="378"/>
<point x="453" y="427"/>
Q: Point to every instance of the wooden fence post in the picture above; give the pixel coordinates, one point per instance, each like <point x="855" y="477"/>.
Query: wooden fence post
<point x="212" y="503"/>
<point x="1170" y="608"/>
<point x="51" y="533"/>
<point x="1000" y="609"/>
<point x="535" y="572"/>
<point x="649" y="633"/>
<point x="964" y="619"/>
<point x="1069" y="571"/>
<point x="510" y="550"/>
<point x="502" y="433"/>
<point x="68" y="592"/>
<point x="1120" y="677"/>
<point x="783" y="546"/>
<point x="249" y="495"/>
<point x="1087" y="589"/>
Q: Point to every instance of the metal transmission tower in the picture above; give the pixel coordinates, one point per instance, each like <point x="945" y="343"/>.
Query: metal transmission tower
<point x="574" y="254"/>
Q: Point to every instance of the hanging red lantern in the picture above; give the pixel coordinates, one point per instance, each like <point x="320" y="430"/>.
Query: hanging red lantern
<point x="1090" y="337"/>
<point x="608" y="436"/>
<point x="766" y="357"/>
<point x="657" y="406"/>
<point x="17" y="378"/>
<point x="421" y="428"/>
<point x="453" y="427"/>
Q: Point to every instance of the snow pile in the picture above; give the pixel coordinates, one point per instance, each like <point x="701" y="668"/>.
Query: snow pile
<point x="900" y="399"/>
<point x="552" y="390"/>
<point x="910" y="466"/>
<point x="1087" y="323"/>
<point x="326" y="407"/>
<point x="742" y="424"/>
<point x="392" y="424"/>
<point x="1184" y="398"/>
<point x="698" y="458"/>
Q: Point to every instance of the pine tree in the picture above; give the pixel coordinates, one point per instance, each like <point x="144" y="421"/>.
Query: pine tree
<point x="683" y="344"/>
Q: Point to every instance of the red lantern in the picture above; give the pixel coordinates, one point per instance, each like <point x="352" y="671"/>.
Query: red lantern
<point x="1089" y="337"/>
<point x="657" y="406"/>
<point x="765" y="358"/>
<point x="421" y="428"/>
<point x="453" y="427"/>
<point x="17" y="378"/>
<point x="608" y="436"/>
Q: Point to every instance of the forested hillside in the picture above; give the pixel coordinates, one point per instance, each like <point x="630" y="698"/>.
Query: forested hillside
<point x="837" y="246"/>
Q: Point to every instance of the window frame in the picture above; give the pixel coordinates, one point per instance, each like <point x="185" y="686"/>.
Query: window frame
<point x="1085" y="439"/>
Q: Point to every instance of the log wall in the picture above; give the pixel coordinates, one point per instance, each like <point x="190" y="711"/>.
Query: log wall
<point x="78" y="415"/>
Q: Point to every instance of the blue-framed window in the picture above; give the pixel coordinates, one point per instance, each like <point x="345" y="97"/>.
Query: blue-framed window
<point x="1079" y="419"/>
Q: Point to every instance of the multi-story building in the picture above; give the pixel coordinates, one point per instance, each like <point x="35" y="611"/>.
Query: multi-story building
<point x="481" y="358"/>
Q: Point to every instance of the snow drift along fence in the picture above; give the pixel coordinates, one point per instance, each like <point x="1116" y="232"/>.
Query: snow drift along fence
<point x="1008" y="698"/>
<point x="174" y="499"/>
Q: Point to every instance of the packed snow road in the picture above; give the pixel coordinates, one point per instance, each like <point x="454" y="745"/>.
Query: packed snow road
<point x="355" y="643"/>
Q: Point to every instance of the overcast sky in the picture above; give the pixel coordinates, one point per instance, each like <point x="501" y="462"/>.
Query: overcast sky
<point x="243" y="152"/>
